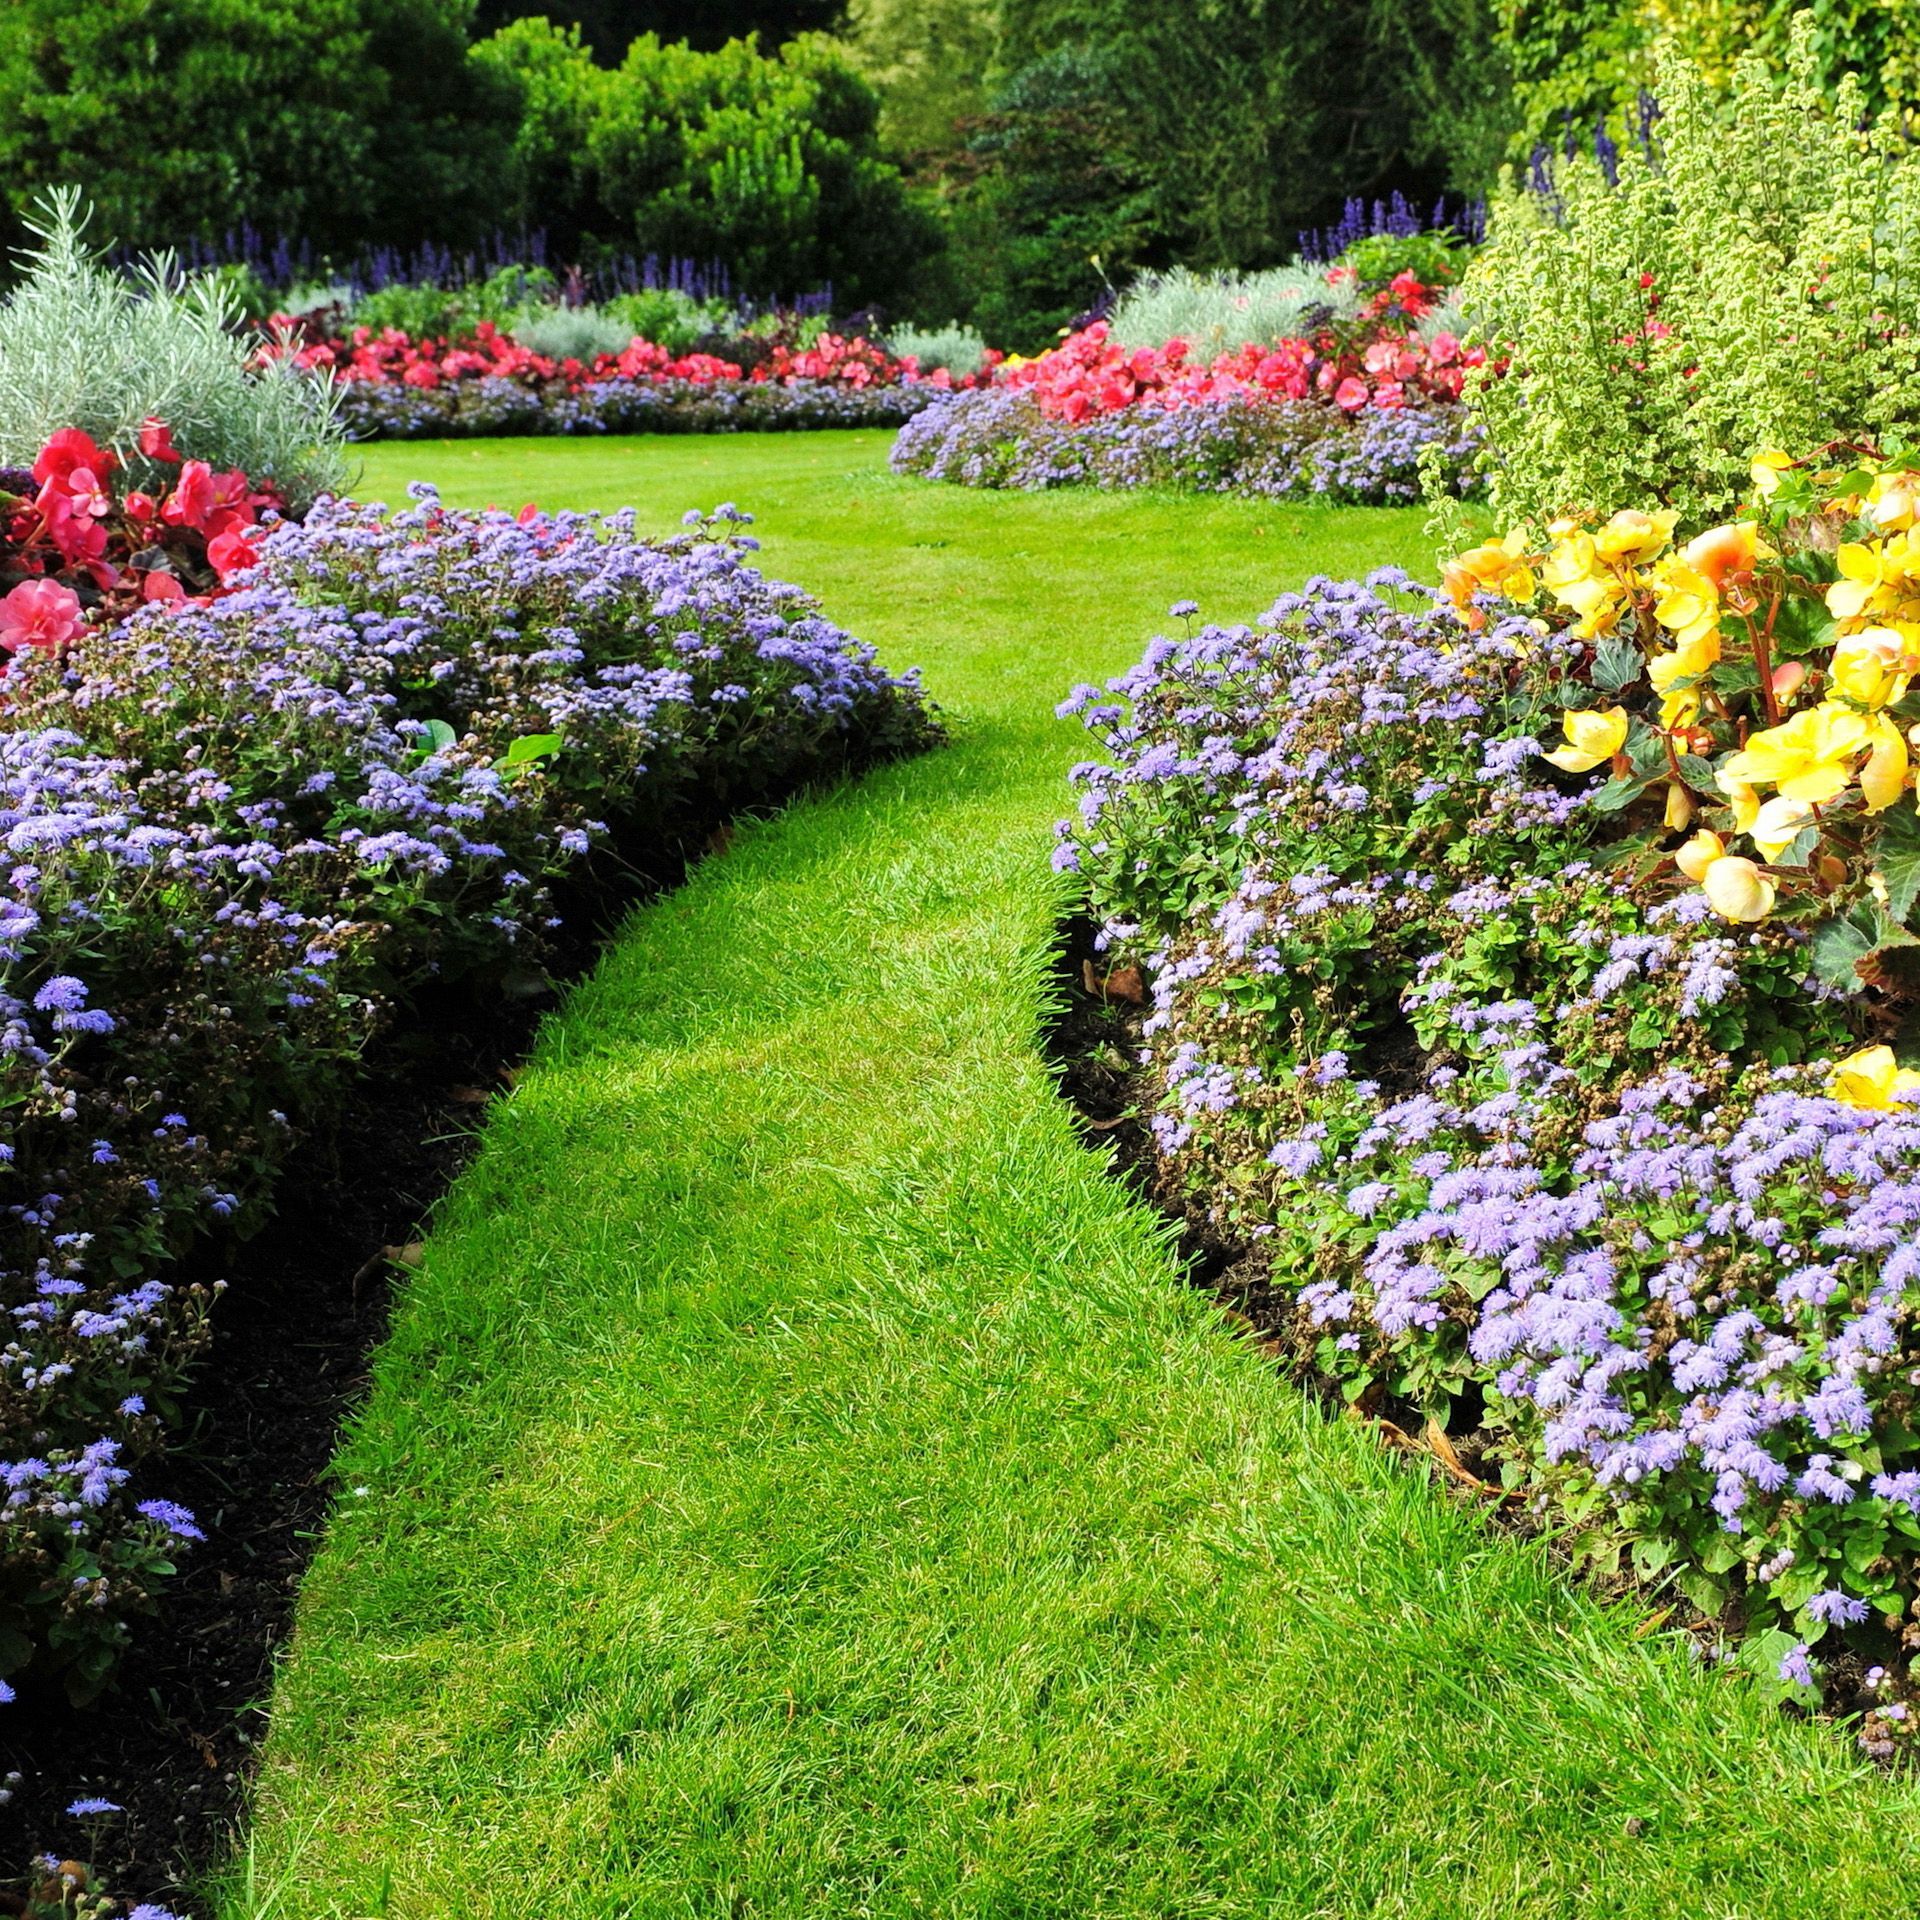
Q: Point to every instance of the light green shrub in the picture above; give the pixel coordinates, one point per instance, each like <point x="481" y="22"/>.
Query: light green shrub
<point x="960" y="350"/>
<point x="668" y="317"/>
<point x="83" y="346"/>
<point x="1217" y="312"/>
<point x="570" y="333"/>
<point x="1752" y="284"/>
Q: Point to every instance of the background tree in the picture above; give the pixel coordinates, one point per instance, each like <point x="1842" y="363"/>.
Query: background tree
<point x="348" y="121"/>
<point x="609" y="27"/>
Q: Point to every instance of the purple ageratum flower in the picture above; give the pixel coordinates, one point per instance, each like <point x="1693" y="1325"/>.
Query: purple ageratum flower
<point x="1836" y="1608"/>
<point x="1794" y="1667"/>
<point x="176" y="1519"/>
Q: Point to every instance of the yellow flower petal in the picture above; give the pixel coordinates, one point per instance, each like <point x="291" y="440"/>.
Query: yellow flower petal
<point x="1593" y="735"/>
<point x="1884" y="778"/>
<point x="1737" y="890"/>
<point x="1874" y="1080"/>
<point x="1699" y="854"/>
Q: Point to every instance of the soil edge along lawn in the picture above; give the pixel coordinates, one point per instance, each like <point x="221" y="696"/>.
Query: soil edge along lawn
<point x="798" y="1482"/>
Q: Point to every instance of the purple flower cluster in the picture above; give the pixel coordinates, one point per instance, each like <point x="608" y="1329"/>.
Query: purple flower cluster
<point x="1534" y="1137"/>
<point x="382" y="410"/>
<point x="235" y="834"/>
<point x="1000" y="437"/>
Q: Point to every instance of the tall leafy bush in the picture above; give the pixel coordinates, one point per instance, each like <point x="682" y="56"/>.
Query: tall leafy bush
<point x="769" y="164"/>
<point x="1751" y="281"/>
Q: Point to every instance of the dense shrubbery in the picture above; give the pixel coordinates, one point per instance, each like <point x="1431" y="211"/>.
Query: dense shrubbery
<point x="768" y="162"/>
<point x="242" y="830"/>
<point x="1575" y="1132"/>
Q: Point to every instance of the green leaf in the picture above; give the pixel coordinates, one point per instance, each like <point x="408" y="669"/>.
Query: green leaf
<point x="1616" y="663"/>
<point x="439" y="736"/>
<point x="1617" y="793"/>
<point x="530" y="747"/>
<point x="1841" y="944"/>
<point x="1897" y="855"/>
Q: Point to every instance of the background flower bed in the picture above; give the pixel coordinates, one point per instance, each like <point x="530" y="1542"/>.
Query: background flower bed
<point x="242" y="832"/>
<point x="1233" y="445"/>
<point x="488" y="407"/>
<point x="1344" y="409"/>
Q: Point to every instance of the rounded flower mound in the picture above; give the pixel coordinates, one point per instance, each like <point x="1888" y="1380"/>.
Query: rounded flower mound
<point x="239" y="828"/>
<point x="1585" y="1164"/>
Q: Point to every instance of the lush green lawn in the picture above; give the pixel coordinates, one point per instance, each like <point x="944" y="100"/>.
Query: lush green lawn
<point x="799" y="1485"/>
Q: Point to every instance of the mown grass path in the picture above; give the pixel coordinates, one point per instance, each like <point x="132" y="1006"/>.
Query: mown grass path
<point x="798" y="1482"/>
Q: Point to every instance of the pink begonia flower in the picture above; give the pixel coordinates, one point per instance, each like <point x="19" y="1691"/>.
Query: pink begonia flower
<point x="68" y="449"/>
<point x="1350" y="394"/>
<point x="39" y="613"/>
<point x="161" y="586"/>
<point x="191" y="500"/>
<point x="228" y="552"/>
<point x="156" y="441"/>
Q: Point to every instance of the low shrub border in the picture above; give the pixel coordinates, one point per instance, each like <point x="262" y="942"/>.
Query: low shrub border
<point x="370" y="410"/>
<point x="1278" y="448"/>
<point x="1553" y="1122"/>
<point x="244" y="829"/>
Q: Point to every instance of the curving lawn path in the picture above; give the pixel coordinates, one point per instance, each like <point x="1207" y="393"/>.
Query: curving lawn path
<point x="798" y="1483"/>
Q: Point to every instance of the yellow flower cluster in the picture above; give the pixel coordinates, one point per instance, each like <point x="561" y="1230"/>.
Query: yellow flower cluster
<point x="1683" y="607"/>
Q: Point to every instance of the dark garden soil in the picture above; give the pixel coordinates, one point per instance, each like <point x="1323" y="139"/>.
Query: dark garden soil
<point x="1092" y="1044"/>
<point x="173" y="1740"/>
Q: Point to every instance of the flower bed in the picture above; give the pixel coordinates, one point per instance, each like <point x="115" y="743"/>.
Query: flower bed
<point x="1562" y="1106"/>
<point x="488" y="407"/>
<point x="1236" y="444"/>
<point x="1344" y="412"/>
<point x="243" y="826"/>
<point x="396" y="387"/>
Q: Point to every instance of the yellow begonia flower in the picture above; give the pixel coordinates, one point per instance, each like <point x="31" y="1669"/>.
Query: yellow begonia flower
<point x="1873" y="1079"/>
<point x="1635" y="537"/>
<point x="1699" y="854"/>
<point x="1871" y="667"/>
<point x="1737" y="890"/>
<point x="1777" y="825"/>
<point x="1734" y="548"/>
<point x="1884" y="778"/>
<point x="1678" y="709"/>
<point x="1877" y="578"/>
<point x="1767" y="470"/>
<point x="1679" y="813"/>
<point x="1592" y="737"/>
<point x="1809" y="757"/>
<point x="1893" y="501"/>
<point x="1500" y="566"/>
<point x="1689" y="604"/>
<point x="1696" y="654"/>
<point x="1576" y="576"/>
<point x="1745" y="802"/>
